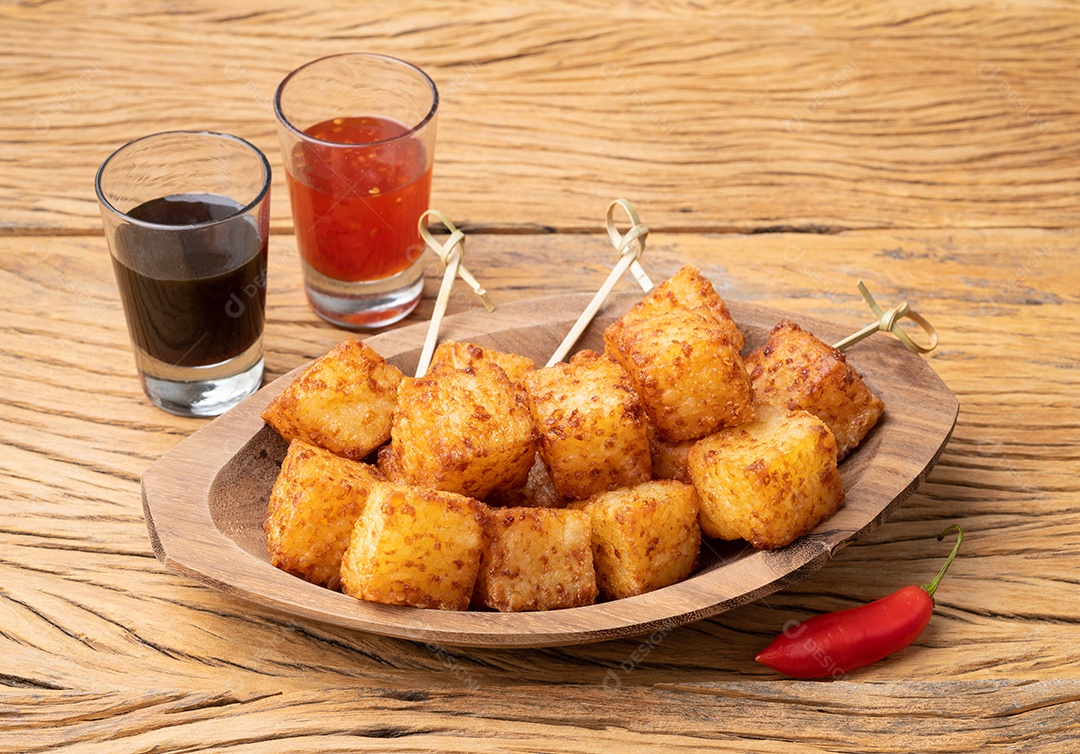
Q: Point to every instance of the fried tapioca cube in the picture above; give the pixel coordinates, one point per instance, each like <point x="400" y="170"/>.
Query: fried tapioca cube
<point x="769" y="481"/>
<point x="669" y="459"/>
<point x="644" y="537"/>
<point x="692" y="382"/>
<point x="795" y="370"/>
<point x="591" y="426"/>
<point x="415" y="546"/>
<point x="464" y="355"/>
<point x="313" y="506"/>
<point x="536" y="559"/>
<point x="538" y="492"/>
<point x="390" y="465"/>
<point x="688" y="290"/>
<point x="343" y="402"/>
<point x="463" y="430"/>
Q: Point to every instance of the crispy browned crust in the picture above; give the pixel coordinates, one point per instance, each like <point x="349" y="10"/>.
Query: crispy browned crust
<point x="539" y="491"/>
<point x="769" y="481"/>
<point x="463" y="430"/>
<point x="464" y="355"/>
<point x="686" y="290"/>
<point x="536" y="559"/>
<point x="415" y="546"/>
<point x="669" y="459"/>
<point x="691" y="381"/>
<point x="343" y="402"/>
<point x="591" y="426"/>
<point x="644" y="537"/>
<point x="795" y="370"/>
<point x="313" y="505"/>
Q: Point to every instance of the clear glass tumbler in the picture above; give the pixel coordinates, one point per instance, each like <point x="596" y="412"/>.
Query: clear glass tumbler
<point x="186" y="216"/>
<point x="358" y="139"/>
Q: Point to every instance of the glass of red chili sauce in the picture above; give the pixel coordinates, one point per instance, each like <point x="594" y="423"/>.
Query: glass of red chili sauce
<point x="358" y="136"/>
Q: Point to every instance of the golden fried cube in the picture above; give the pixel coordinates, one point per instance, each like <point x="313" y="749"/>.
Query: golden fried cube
<point x="464" y="355"/>
<point x="591" y="425"/>
<point x="390" y="465"/>
<point x="538" y="492"/>
<point x="669" y="459"/>
<point x="343" y="402"/>
<point x="313" y="506"/>
<point x="769" y="481"/>
<point x="464" y="430"/>
<point x="687" y="290"/>
<point x="644" y="537"/>
<point x="691" y="381"/>
<point x="795" y="370"/>
<point x="415" y="546"/>
<point x="536" y="559"/>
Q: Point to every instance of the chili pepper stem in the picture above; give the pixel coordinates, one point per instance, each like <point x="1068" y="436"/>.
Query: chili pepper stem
<point x="933" y="585"/>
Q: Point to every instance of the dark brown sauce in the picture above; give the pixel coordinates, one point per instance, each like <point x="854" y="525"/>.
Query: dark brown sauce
<point x="197" y="296"/>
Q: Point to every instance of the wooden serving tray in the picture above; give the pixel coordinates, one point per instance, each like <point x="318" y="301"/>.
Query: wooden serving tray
<point x="206" y="498"/>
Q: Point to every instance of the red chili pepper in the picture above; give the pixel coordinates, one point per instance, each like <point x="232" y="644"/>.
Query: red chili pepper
<point x="835" y="643"/>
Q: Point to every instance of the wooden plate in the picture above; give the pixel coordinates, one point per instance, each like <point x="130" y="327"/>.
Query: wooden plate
<point x="205" y="499"/>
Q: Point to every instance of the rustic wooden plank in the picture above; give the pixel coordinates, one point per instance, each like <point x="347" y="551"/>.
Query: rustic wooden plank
<point x="835" y="117"/>
<point x="688" y="716"/>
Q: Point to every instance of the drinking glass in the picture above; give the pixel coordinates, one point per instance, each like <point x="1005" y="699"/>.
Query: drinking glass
<point x="358" y="138"/>
<point x="186" y="216"/>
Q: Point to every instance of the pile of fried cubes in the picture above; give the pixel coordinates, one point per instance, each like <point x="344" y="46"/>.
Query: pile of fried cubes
<point x="491" y="484"/>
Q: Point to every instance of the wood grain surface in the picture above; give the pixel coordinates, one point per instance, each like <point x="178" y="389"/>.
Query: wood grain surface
<point x="747" y="116"/>
<point x="927" y="148"/>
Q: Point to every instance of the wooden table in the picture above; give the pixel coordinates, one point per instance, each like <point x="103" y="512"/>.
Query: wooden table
<point x="928" y="148"/>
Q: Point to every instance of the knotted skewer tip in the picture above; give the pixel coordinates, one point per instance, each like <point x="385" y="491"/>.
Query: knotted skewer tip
<point x="452" y="254"/>
<point x="889" y="321"/>
<point x="629" y="247"/>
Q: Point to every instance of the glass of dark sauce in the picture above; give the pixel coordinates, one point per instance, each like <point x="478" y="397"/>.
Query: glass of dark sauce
<point x="186" y="216"/>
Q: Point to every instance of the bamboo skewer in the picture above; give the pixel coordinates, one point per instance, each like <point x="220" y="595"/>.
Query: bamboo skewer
<point x="630" y="247"/>
<point x="452" y="253"/>
<point x="637" y="234"/>
<point x="889" y="321"/>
